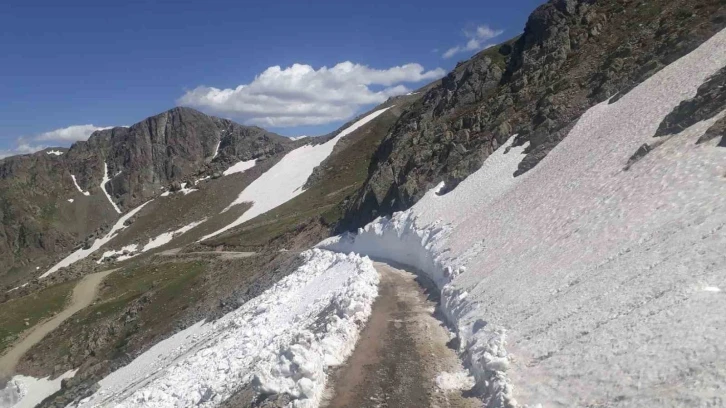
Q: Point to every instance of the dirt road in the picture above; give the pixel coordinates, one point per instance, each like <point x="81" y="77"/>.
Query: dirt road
<point x="83" y="295"/>
<point x="401" y="352"/>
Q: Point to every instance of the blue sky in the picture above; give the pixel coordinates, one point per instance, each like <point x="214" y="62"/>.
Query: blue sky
<point x="103" y="63"/>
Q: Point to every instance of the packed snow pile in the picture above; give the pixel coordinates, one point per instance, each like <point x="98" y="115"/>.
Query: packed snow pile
<point x="98" y="243"/>
<point x="282" y="341"/>
<point x="27" y="392"/>
<point x="580" y="283"/>
<point x="285" y="180"/>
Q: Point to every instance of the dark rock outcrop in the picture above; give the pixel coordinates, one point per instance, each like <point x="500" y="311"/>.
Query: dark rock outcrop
<point x="572" y="55"/>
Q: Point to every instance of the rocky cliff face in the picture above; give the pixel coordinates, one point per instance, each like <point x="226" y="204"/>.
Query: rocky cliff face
<point x="37" y="220"/>
<point x="571" y="55"/>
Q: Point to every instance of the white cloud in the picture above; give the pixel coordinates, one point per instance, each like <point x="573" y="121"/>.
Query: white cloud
<point x="27" y="145"/>
<point x="477" y="40"/>
<point x="70" y="133"/>
<point x="302" y="95"/>
<point x="22" y="147"/>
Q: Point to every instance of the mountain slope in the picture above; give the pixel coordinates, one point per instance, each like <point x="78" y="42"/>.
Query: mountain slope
<point x="572" y="55"/>
<point x="52" y="203"/>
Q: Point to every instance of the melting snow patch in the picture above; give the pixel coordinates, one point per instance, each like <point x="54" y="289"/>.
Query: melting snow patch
<point x="454" y="381"/>
<point x="120" y="255"/>
<point x="103" y="187"/>
<point x="70" y="200"/>
<point x="85" y="193"/>
<point x="27" y="392"/>
<point x="285" y="180"/>
<point x="285" y="340"/>
<point x="240" y="167"/>
<point x="98" y="243"/>
<point x="54" y="152"/>
<point x="166" y="237"/>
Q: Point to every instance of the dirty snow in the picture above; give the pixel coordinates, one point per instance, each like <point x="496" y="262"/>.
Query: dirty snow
<point x="240" y="167"/>
<point x="103" y="187"/>
<point x="54" y="152"/>
<point x="284" y="340"/>
<point x="27" y="392"/>
<point x="461" y="381"/>
<point x="98" y="243"/>
<point x="285" y="180"/>
<point x="85" y="193"/>
<point x="579" y="283"/>
<point x="122" y="254"/>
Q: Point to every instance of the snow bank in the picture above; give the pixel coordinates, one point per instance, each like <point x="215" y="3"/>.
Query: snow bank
<point x="285" y="180"/>
<point x="240" y="167"/>
<point x="85" y="193"/>
<point x="103" y="187"/>
<point x="98" y="243"/>
<point x="282" y="341"/>
<point x="27" y="392"/>
<point x="591" y="275"/>
<point x="454" y="381"/>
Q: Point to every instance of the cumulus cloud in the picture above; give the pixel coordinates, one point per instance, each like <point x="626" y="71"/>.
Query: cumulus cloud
<point x="27" y="145"/>
<point x="477" y="40"/>
<point x="70" y="134"/>
<point x="302" y="95"/>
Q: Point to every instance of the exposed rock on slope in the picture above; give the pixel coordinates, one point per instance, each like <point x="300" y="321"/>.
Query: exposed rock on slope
<point x="572" y="55"/>
<point x="49" y="203"/>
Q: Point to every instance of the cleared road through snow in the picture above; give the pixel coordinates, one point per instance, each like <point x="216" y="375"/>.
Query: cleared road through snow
<point x="401" y="358"/>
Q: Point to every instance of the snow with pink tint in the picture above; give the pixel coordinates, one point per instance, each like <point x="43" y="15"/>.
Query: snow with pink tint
<point x="98" y="243"/>
<point x="285" y="180"/>
<point x="285" y="340"/>
<point x="578" y="282"/>
<point x="240" y="167"/>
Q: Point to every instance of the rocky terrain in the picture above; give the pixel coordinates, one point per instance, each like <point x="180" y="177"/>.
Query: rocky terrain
<point x="572" y="55"/>
<point x="37" y="220"/>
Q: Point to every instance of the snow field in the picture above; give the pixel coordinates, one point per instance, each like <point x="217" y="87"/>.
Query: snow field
<point x="285" y="180"/>
<point x="98" y="243"/>
<point x="282" y="341"/>
<point x="600" y="281"/>
<point x="240" y="167"/>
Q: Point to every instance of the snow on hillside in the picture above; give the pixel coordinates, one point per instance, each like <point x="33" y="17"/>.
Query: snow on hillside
<point x="27" y="392"/>
<point x="103" y="187"/>
<point x="284" y="340"/>
<point x="285" y="180"/>
<point x="130" y="251"/>
<point x="240" y="167"/>
<point x="75" y="182"/>
<point x="580" y="283"/>
<point x="98" y="243"/>
<point x="54" y="152"/>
